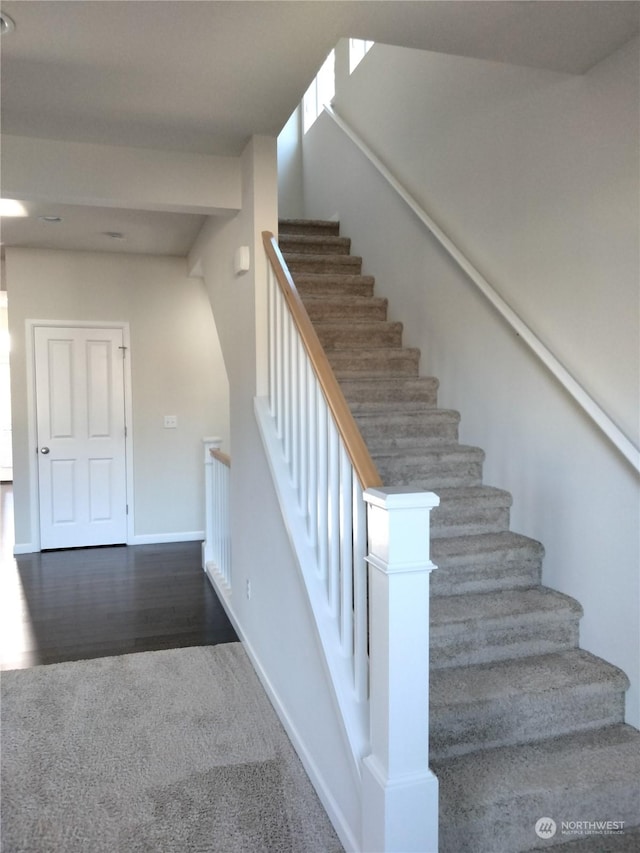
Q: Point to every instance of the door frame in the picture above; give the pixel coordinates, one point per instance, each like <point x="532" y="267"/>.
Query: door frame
<point x="34" y="486"/>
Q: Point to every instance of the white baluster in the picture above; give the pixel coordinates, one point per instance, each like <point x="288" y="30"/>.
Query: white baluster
<point x="323" y="463"/>
<point x="286" y="373"/>
<point x="333" y="518"/>
<point x="346" y="553"/>
<point x="360" y="596"/>
<point x="312" y="453"/>
<point x="295" y="408"/>
<point x="272" y="341"/>
<point x="304" y="426"/>
<point x="218" y="531"/>
<point x="280" y="308"/>
<point x="226" y="526"/>
<point x="207" y="545"/>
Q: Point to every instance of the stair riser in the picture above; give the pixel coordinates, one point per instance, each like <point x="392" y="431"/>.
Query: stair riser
<point x="468" y="521"/>
<point x="465" y="644"/>
<point x="334" y="264"/>
<point x="363" y="392"/>
<point x="522" y="719"/>
<point x="376" y="362"/>
<point x="308" y="227"/>
<point x="314" y="245"/>
<point x="315" y="288"/>
<point x="360" y="312"/>
<point x="444" y="436"/>
<point x="475" y="577"/>
<point x="409" y="425"/>
<point x="360" y="335"/>
<point x="454" y="469"/>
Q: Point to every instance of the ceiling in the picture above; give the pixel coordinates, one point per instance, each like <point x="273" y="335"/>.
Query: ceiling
<point x="204" y="76"/>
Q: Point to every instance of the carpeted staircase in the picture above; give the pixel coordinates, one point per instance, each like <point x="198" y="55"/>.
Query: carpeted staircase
<point x="524" y="724"/>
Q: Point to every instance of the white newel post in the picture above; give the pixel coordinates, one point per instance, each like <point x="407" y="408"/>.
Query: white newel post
<point x="209" y="443"/>
<point x="400" y="793"/>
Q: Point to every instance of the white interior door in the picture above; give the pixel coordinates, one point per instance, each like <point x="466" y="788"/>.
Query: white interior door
<point x="81" y="436"/>
<point x="6" y="455"/>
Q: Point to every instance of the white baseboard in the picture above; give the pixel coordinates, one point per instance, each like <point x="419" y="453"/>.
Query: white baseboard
<point x="24" y="548"/>
<point x="140" y="539"/>
<point x="332" y="808"/>
<point x="166" y="538"/>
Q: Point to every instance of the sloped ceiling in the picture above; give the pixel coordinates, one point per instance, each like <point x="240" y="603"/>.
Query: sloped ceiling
<point x="205" y="75"/>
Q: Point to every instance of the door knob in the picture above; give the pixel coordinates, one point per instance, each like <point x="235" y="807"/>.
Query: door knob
<point x="44" y="450"/>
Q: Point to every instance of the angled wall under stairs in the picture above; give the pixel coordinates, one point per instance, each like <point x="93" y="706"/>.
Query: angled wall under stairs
<point x="524" y="724"/>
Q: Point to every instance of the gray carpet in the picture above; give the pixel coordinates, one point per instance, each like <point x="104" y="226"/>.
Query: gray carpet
<point x="162" y="752"/>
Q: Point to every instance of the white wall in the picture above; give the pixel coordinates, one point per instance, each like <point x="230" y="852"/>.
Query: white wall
<point x="290" y="189"/>
<point x="535" y="176"/>
<point x="276" y="622"/>
<point x="117" y="176"/>
<point x="176" y="365"/>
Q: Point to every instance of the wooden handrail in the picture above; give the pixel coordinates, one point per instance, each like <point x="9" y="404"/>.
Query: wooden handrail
<point x="220" y="456"/>
<point x="363" y="464"/>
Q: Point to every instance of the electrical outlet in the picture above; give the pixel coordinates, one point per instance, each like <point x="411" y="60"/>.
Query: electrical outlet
<point x="248" y="589"/>
<point x="170" y="421"/>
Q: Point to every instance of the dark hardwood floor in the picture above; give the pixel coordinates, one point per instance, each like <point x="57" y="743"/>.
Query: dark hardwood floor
<point x="94" y="602"/>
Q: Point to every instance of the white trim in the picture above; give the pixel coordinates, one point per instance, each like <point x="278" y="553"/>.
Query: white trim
<point x="25" y="548"/>
<point x="622" y="443"/>
<point x="140" y="539"/>
<point x="166" y="538"/>
<point x="34" y="507"/>
<point x="332" y="808"/>
<point x="218" y="580"/>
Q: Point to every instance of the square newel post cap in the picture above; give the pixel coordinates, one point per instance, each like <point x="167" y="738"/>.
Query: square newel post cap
<point x="209" y="443"/>
<point x="400" y="497"/>
<point x="213" y="440"/>
<point x="398" y="529"/>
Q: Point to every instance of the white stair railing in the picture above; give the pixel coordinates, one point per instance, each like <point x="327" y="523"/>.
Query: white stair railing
<point x="216" y="548"/>
<point x="364" y="555"/>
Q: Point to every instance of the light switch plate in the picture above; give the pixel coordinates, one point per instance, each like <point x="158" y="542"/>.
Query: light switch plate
<point x="170" y="421"/>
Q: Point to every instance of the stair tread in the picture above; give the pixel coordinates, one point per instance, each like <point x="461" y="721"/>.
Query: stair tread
<point x="569" y="762"/>
<point x="456" y="548"/>
<point x="397" y="411"/>
<point x="383" y="407"/>
<point x="487" y="494"/>
<point x="480" y="608"/>
<point x="313" y="223"/>
<point x="337" y="326"/>
<point x="333" y="278"/>
<point x="464" y="685"/>
<point x="328" y="257"/>
<point x="344" y="300"/>
<point x="364" y="351"/>
<point x="315" y="239"/>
